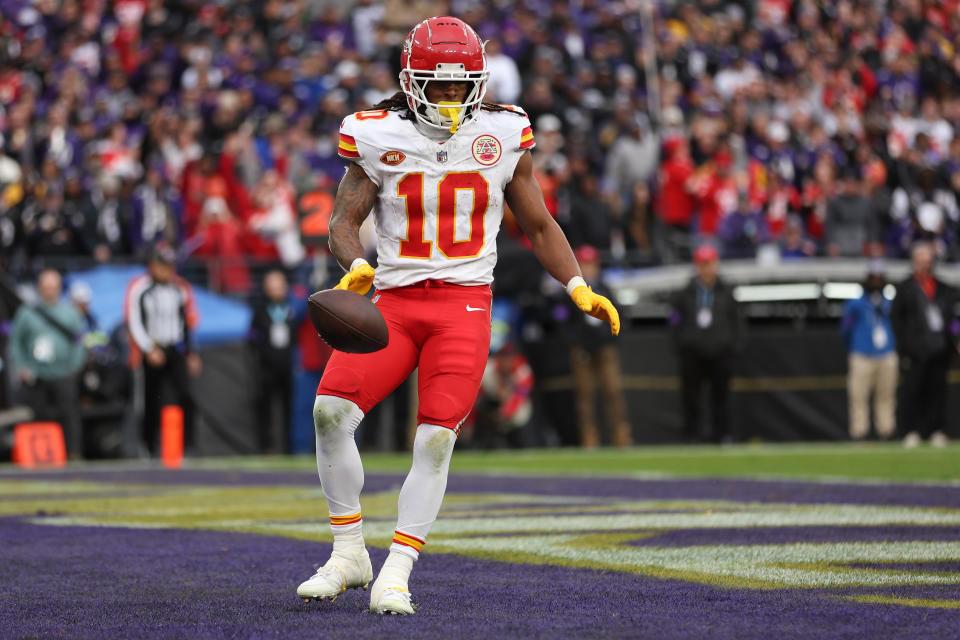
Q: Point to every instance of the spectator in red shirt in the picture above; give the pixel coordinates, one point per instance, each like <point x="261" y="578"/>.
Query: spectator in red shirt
<point x="783" y="199"/>
<point x="676" y="203"/>
<point x="219" y="238"/>
<point x="193" y="186"/>
<point x="716" y="193"/>
<point x="817" y="191"/>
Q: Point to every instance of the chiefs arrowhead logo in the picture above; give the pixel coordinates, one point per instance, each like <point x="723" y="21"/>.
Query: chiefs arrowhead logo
<point x="393" y="158"/>
<point x="486" y="150"/>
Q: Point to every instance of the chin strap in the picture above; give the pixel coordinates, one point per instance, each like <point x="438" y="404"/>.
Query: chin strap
<point x="451" y="110"/>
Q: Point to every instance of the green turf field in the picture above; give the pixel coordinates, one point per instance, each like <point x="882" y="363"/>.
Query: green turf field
<point x="864" y="461"/>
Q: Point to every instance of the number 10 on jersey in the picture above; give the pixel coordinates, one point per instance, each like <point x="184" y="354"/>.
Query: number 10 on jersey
<point x="415" y="245"/>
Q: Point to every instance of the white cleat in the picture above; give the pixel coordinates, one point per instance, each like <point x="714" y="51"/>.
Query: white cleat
<point x="939" y="440"/>
<point x="392" y="600"/>
<point x="341" y="572"/>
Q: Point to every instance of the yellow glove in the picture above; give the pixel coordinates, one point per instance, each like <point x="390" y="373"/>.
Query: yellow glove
<point x="594" y="304"/>
<point x="359" y="279"/>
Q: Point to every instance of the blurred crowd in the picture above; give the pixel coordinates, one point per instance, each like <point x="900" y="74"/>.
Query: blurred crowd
<point x="821" y="128"/>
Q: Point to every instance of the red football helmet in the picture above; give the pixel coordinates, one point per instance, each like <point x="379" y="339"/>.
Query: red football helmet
<point x="443" y="48"/>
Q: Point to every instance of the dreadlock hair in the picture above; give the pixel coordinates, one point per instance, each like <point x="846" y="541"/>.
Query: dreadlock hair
<point x="398" y="102"/>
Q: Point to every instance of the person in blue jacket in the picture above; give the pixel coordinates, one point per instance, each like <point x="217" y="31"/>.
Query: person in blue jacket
<point x="872" y="357"/>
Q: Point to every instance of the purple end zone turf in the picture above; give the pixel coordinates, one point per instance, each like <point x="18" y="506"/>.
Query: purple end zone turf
<point x="163" y="583"/>
<point x="100" y="582"/>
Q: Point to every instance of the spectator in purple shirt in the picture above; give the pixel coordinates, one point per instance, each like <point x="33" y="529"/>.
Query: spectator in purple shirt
<point x="743" y="230"/>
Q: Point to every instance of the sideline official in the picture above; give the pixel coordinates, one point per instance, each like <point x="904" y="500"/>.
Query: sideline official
<point x="160" y="315"/>
<point x="927" y="328"/>
<point x="708" y="332"/>
<point x="273" y="329"/>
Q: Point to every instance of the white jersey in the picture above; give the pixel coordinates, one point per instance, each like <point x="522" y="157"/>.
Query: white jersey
<point x="440" y="203"/>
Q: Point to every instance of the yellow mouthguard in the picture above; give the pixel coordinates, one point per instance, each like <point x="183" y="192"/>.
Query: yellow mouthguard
<point x="451" y="110"/>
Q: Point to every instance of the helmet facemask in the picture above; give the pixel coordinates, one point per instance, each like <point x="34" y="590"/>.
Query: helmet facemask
<point x="444" y="115"/>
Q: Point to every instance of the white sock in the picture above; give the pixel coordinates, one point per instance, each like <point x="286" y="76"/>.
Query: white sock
<point x="341" y="472"/>
<point x="396" y="570"/>
<point x="423" y="489"/>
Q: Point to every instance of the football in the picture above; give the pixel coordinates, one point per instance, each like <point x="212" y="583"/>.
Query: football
<point x="347" y="321"/>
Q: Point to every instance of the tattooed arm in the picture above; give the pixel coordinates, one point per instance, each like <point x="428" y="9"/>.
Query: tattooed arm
<point x="355" y="197"/>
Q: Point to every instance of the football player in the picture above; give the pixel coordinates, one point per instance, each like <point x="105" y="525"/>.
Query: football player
<point x="435" y="164"/>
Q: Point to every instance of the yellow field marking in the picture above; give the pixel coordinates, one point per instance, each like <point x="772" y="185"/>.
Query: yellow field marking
<point x="908" y="602"/>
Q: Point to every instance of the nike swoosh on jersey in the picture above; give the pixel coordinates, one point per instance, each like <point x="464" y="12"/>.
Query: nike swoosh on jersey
<point x="469" y="308"/>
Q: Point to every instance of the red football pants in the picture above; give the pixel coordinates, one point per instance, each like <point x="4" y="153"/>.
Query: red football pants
<point x="442" y="328"/>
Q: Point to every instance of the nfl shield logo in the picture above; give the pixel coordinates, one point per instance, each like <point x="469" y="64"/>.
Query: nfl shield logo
<point x="441" y="156"/>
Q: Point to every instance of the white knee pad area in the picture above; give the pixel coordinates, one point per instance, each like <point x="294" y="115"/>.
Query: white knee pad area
<point x="335" y="417"/>
<point x="432" y="448"/>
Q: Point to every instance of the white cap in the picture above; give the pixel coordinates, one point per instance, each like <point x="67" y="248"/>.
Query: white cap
<point x="778" y="132"/>
<point x="347" y="69"/>
<point x="547" y="123"/>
